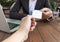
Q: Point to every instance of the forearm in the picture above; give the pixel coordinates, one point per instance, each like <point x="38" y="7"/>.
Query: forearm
<point x="18" y="36"/>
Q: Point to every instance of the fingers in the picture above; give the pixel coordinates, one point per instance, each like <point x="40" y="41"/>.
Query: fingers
<point x="33" y="26"/>
<point x="25" y="23"/>
<point x="28" y="17"/>
<point x="47" y="13"/>
<point x="45" y="9"/>
<point x="28" y="21"/>
<point x="33" y="23"/>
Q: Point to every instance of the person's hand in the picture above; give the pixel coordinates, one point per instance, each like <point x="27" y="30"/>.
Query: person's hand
<point x="28" y="23"/>
<point x="46" y="13"/>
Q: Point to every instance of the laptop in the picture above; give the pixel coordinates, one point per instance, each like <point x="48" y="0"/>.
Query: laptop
<point x="6" y="24"/>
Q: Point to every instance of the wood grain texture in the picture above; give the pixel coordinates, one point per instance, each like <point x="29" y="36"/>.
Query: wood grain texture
<point x="44" y="32"/>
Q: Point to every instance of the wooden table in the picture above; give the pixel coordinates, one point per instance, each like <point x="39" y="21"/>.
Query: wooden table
<point x="44" y="32"/>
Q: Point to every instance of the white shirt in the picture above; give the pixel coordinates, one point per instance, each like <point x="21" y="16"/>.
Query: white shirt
<point x="32" y="4"/>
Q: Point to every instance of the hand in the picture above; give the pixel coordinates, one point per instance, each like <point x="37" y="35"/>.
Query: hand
<point x="47" y="13"/>
<point x="28" y="23"/>
<point x="33" y="24"/>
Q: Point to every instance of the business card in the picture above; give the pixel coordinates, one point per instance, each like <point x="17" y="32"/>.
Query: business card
<point x="37" y="14"/>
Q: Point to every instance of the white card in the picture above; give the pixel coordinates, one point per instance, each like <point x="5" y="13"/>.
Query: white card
<point x="37" y="14"/>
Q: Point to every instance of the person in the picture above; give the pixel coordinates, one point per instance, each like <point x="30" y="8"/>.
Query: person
<point x="27" y="24"/>
<point x="28" y="6"/>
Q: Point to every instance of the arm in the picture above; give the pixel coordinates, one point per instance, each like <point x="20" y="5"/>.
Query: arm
<point x="47" y="12"/>
<point x="22" y="34"/>
<point x="18" y="36"/>
<point x="14" y="12"/>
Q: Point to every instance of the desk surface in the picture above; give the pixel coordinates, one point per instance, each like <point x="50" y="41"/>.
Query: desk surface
<point x="44" y="32"/>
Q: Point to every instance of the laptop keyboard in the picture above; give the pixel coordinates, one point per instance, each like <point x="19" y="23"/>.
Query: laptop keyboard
<point x="12" y="25"/>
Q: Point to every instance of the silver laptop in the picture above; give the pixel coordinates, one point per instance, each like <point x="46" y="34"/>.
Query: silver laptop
<point x="6" y="24"/>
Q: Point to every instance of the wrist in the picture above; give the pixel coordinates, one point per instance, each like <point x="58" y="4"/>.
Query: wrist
<point x="24" y="30"/>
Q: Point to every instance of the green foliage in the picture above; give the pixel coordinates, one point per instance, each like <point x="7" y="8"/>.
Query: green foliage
<point x="6" y="2"/>
<point x="9" y="3"/>
<point x="53" y="4"/>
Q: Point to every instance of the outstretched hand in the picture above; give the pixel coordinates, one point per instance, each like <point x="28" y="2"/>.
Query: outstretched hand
<point x="28" y="23"/>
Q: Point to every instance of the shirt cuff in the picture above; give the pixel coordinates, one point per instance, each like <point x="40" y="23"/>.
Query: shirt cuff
<point x="50" y="19"/>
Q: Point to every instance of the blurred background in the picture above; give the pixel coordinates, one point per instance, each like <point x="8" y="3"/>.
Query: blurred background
<point x="7" y="4"/>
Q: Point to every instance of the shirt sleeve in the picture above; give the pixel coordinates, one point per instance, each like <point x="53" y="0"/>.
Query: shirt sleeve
<point x="14" y="12"/>
<point x="47" y="4"/>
